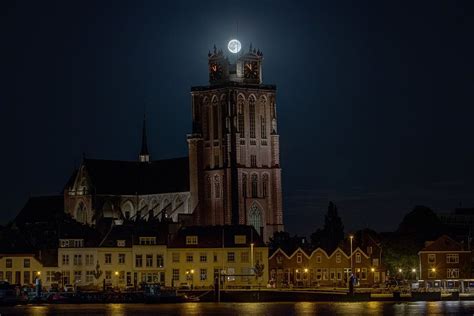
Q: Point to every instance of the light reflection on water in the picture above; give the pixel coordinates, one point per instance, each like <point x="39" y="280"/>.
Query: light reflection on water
<point x="248" y="309"/>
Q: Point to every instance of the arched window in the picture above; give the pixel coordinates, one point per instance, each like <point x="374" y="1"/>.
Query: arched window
<point x="217" y="187"/>
<point x="265" y="185"/>
<point x="206" y="119"/>
<point x="108" y="210"/>
<point x="128" y="210"/>
<point x="254" y="185"/>
<point x="81" y="213"/>
<point x="208" y="187"/>
<point x="255" y="217"/>
<point x="252" y="116"/>
<point x="244" y="185"/>
<point x="263" y="120"/>
<point x="241" y="115"/>
<point x="215" y="119"/>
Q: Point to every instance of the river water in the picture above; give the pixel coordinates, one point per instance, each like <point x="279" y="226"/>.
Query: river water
<point x="247" y="309"/>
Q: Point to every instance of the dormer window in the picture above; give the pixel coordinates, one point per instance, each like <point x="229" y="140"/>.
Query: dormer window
<point x="121" y="243"/>
<point x="147" y="240"/>
<point x="240" y="239"/>
<point x="71" y="243"/>
<point x="191" y="240"/>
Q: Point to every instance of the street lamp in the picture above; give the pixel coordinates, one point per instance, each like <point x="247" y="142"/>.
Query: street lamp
<point x="352" y="268"/>
<point x="116" y="277"/>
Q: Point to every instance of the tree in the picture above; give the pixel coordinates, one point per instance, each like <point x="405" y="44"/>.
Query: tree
<point x="332" y="233"/>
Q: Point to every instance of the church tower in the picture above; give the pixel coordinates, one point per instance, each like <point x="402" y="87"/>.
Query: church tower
<point x="234" y="155"/>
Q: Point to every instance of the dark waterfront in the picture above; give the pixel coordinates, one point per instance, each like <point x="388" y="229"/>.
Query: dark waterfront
<point x="300" y="308"/>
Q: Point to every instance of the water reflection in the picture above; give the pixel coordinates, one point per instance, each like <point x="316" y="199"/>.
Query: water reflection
<point x="249" y="309"/>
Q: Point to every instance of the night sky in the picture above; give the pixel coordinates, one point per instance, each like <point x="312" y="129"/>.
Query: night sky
<point x="375" y="100"/>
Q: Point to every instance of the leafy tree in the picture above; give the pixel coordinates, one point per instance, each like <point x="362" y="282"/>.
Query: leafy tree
<point x="332" y="233"/>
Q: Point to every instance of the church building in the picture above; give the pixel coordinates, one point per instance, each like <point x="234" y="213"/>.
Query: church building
<point x="231" y="177"/>
<point x="234" y="155"/>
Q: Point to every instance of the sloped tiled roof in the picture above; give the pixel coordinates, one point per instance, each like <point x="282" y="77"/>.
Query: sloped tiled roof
<point x="131" y="233"/>
<point x="132" y="177"/>
<point x="443" y="243"/>
<point x="216" y="236"/>
<point x="40" y="209"/>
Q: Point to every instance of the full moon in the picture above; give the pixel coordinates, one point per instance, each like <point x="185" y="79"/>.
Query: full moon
<point x="234" y="46"/>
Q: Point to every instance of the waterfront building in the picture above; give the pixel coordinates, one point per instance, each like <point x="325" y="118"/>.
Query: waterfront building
<point x="306" y="267"/>
<point x="445" y="263"/>
<point x="198" y="255"/>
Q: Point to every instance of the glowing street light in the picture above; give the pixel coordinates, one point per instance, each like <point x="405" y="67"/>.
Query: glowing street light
<point x="413" y="270"/>
<point x="400" y="270"/>
<point x="372" y="269"/>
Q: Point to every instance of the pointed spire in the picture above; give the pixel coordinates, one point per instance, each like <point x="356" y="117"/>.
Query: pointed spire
<point x="144" y="155"/>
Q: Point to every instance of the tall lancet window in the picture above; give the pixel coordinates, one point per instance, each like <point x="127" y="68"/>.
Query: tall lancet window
<point x="215" y="119"/>
<point x="263" y="121"/>
<point x="265" y="185"/>
<point x="254" y="185"/>
<point x="208" y="187"/>
<point x="217" y="187"/>
<point x="206" y="120"/>
<point x="244" y="185"/>
<point x="241" y="116"/>
<point x="252" y="116"/>
<point x="255" y="217"/>
<point x="81" y="213"/>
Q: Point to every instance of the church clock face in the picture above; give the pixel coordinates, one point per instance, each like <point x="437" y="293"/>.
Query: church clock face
<point x="215" y="71"/>
<point x="251" y="70"/>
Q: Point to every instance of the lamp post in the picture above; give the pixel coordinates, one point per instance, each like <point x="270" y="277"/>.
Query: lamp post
<point x="306" y="276"/>
<point x="192" y="279"/>
<point x="352" y="268"/>
<point x="414" y="273"/>
<point x="117" y="278"/>
<point x="251" y="258"/>
<point x="373" y="275"/>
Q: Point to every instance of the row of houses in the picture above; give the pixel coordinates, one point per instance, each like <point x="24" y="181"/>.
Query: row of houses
<point x="359" y="255"/>
<point x="129" y="256"/>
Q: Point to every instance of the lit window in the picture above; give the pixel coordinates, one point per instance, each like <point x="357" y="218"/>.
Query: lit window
<point x="191" y="240"/>
<point x="452" y="258"/>
<point x="160" y="261"/>
<point x="203" y="274"/>
<point x="138" y="261"/>
<point x="299" y="258"/>
<point x="121" y="258"/>
<point x="149" y="260"/>
<point x="147" y="240"/>
<point x="120" y="243"/>
<point x="108" y="258"/>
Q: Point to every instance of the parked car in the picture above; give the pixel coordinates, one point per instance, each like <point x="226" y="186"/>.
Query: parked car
<point x="68" y="288"/>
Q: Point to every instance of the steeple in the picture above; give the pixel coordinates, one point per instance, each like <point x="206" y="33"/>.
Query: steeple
<point x="144" y="155"/>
